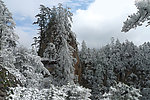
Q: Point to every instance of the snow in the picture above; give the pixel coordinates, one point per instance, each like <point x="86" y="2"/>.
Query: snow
<point x="27" y="67"/>
<point x="122" y="92"/>
<point x="71" y="92"/>
<point x="102" y="67"/>
<point x="142" y="3"/>
<point x="138" y="18"/>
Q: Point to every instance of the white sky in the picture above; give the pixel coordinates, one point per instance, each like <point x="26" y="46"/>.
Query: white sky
<point x="102" y="20"/>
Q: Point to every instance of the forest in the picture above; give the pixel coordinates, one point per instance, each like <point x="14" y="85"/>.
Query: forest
<point x="56" y="69"/>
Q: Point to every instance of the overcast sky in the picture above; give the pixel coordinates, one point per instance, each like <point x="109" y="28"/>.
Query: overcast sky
<point x="94" y="21"/>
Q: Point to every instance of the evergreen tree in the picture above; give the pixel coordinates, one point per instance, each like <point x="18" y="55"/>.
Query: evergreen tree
<point x="122" y="92"/>
<point x="66" y="92"/>
<point x="84" y="52"/>
<point x="42" y="21"/>
<point x="138" y="18"/>
<point x="50" y="52"/>
<point x="30" y="69"/>
<point x="116" y="61"/>
<point x="7" y="36"/>
<point x="58" y="33"/>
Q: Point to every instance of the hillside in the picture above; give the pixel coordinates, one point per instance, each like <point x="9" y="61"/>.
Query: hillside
<point x="55" y="69"/>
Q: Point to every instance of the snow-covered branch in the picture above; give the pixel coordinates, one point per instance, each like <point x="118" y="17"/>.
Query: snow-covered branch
<point x="138" y="18"/>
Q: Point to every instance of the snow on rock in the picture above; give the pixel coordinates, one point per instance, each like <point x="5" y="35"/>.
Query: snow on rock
<point x="27" y="67"/>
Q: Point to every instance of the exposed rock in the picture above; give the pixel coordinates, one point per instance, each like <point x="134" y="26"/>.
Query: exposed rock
<point x="51" y="38"/>
<point x="77" y="65"/>
<point x="6" y="80"/>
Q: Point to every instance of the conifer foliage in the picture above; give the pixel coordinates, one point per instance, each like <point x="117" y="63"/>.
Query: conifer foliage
<point x="47" y="72"/>
<point x="138" y="18"/>
<point x="24" y="64"/>
<point x="7" y="35"/>
<point x="122" y="92"/>
<point x="55" y="41"/>
<point x="116" y="62"/>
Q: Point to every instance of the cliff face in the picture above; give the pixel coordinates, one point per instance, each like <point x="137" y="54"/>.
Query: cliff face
<point x="77" y="65"/>
<point x="53" y="38"/>
<point x="6" y="80"/>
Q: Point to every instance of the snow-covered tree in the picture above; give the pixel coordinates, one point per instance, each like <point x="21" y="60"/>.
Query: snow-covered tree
<point x="56" y="45"/>
<point x="138" y="18"/>
<point x="50" y="52"/>
<point x="20" y="62"/>
<point x="31" y="69"/>
<point x="42" y="21"/>
<point x="64" y="72"/>
<point x="57" y="24"/>
<point x="43" y="18"/>
<point x="66" y="92"/>
<point x="35" y="45"/>
<point x="84" y="52"/>
<point x="28" y="69"/>
<point x="7" y="36"/>
<point x="116" y="62"/>
<point x="122" y="91"/>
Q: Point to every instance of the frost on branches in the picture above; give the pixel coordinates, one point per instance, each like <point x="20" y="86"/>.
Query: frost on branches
<point x="55" y="41"/>
<point x="66" y="92"/>
<point x="121" y="62"/>
<point x="122" y="91"/>
<point x="7" y="36"/>
<point x="26" y="66"/>
<point x="138" y="18"/>
<point x="64" y="72"/>
<point x="31" y="69"/>
<point x="84" y="53"/>
<point x="50" y="52"/>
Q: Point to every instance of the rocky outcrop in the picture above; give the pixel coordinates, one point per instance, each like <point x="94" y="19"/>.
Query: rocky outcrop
<point x="6" y="80"/>
<point x="77" y="65"/>
<point x="52" y="38"/>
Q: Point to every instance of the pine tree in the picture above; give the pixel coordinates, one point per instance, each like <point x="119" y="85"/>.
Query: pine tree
<point x="138" y="18"/>
<point x="30" y="69"/>
<point x="122" y="92"/>
<point x="42" y="21"/>
<point x="58" y="33"/>
<point x="66" y="92"/>
<point x="7" y="36"/>
<point x="84" y="53"/>
<point x="50" y="52"/>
